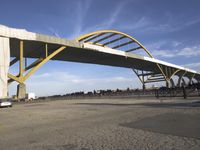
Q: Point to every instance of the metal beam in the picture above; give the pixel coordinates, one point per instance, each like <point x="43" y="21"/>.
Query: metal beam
<point x="21" y="57"/>
<point x="180" y="79"/>
<point x="117" y="39"/>
<point x="14" y="61"/>
<point x="85" y="38"/>
<point x="133" y="49"/>
<point x="184" y="83"/>
<point x="94" y="37"/>
<point x="34" y="64"/>
<point x="117" y="32"/>
<point x="106" y="37"/>
<point x="43" y="62"/>
<point x="26" y="62"/>
<point x="148" y="74"/>
<point x="172" y="83"/>
<point x="162" y="72"/>
<point x="15" y="78"/>
<point x="26" y="69"/>
<point x="154" y="81"/>
<point x="46" y="50"/>
<point x="123" y="44"/>
<point x="190" y="80"/>
<point x="156" y="75"/>
<point x="138" y="76"/>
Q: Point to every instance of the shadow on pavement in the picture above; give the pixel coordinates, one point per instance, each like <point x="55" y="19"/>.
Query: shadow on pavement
<point x="151" y="104"/>
<point x="178" y="124"/>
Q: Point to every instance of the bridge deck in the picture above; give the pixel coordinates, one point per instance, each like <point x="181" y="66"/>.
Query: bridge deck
<point x="34" y="47"/>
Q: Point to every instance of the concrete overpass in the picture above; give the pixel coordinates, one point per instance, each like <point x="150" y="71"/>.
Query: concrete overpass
<point x="105" y="47"/>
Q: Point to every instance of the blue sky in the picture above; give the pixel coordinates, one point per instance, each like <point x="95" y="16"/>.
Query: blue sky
<point x="169" y="29"/>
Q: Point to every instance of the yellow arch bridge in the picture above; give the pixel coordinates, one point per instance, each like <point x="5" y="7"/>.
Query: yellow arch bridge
<point x="104" y="47"/>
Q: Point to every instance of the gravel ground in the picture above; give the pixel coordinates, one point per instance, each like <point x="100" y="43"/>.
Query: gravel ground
<point x="101" y="124"/>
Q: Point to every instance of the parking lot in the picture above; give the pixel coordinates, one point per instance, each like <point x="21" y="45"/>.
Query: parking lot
<point x="101" y="124"/>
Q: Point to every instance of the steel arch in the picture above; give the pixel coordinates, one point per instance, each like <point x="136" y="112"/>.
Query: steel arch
<point x="99" y="33"/>
<point x="89" y="37"/>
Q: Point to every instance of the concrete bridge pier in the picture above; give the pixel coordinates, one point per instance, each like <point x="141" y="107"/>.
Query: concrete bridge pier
<point x="21" y="91"/>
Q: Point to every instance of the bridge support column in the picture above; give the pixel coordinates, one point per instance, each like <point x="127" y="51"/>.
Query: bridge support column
<point x="181" y="82"/>
<point x="143" y="86"/>
<point x="168" y="84"/>
<point x="172" y="83"/>
<point x="23" y="76"/>
<point x="21" y="91"/>
<point x="191" y="80"/>
<point x="4" y="66"/>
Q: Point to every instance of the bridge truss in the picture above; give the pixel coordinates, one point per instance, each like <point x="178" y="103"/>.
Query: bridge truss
<point x="104" y="47"/>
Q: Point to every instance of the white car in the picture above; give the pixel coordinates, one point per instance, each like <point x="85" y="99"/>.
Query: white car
<point x="5" y="104"/>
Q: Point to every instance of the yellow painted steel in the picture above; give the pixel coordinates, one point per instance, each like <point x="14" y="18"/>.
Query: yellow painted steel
<point x="19" y="80"/>
<point x="117" y="32"/>
<point x="162" y="72"/>
<point x="174" y="73"/>
<point x="34" y="64"/>
<point x="126" y="35"/>
<point x="37" y="64"/>
<point x="43" y="62"/>
<point x="21" y="58"/>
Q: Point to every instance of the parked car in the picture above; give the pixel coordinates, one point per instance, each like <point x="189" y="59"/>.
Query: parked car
<point x="5" y="103"/>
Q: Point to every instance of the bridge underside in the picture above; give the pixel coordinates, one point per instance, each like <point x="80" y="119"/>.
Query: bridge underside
<point x="44" y="48"/>
<point x="33" y="49"/>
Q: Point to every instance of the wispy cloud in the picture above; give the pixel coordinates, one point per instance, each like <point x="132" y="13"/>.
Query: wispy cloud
<point x="137" y="24"/>
<point x="108" y="23"/>
<point x="172" y="24"/>
<point x="43" y="75"/>
<point x="54" y="32"/>
<point x="114" y="16"/>
<point x="186" y="52"/>
<point x="66" y="77"/>
<point x="193" y="65"/>
<point x="193" y="21"/>
<point x="82" y="8"/>
<point x="149" y="24"/>
<point x="146" y="23"/>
